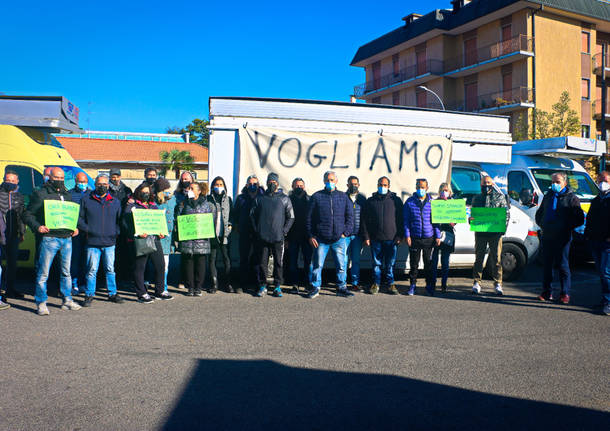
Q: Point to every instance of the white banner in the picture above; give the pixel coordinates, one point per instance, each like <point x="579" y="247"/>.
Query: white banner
<point x="402" y="158"/>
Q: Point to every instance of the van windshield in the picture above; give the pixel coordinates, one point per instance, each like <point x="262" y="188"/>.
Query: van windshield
<point x="70" y="176"/>
<point x="580" y="182"/>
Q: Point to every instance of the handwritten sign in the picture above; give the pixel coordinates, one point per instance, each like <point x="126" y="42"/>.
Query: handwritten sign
<point x="195" y="226"/>
<point x="488" y="220"/>
<point x="61" y="214"/>
<point x="448" y="211"/>
<point x="149" y="222"/>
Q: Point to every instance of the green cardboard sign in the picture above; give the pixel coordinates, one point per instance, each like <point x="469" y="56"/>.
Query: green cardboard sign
<point x="149" y="222"/>
<point x="196" y="226"/>
<point x="60" y="214"/>
<point x="448" y="211"/>
<point x="488" y="220"/>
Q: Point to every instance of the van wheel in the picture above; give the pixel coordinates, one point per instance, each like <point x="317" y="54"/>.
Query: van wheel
<point x="513" y="261"/>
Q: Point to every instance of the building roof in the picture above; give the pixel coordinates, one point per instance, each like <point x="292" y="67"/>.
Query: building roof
<point x="446" y="19"/>
<point x="126" y="151"/>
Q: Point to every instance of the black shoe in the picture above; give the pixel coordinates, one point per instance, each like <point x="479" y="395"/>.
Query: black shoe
<point x="295" y="289"/>
<point x="190" y="292"/>
<point x="444" y="288"/>
<point x="198" y="293"/>
<point x="88" y="300"/>
<point x="146" y="299"/>
<point x="116" y="299"/>
<point x="164" y="296"/>
<point x="213" y="289"/>
<point x="230" y="289"/>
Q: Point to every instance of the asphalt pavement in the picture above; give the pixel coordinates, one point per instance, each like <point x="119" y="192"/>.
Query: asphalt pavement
<point x="227" y="361"/>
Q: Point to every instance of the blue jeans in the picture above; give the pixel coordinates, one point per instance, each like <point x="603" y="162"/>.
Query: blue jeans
<point x="384" y="257"/>
<point x="601" y="254"/>
<point x="94" y="255"/>
<point x="337" y="249"/>
<point x="48" y="248"/>
<point x="77" y="264"/>
<point x="444" y="253"/>
<point x="353" y="244"/>
<point x="293" y="264"/>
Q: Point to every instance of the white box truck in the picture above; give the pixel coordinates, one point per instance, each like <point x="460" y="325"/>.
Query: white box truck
<point x="237" y="125"/>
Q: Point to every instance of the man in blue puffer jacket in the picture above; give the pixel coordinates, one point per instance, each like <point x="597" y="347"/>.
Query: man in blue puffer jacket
<point x="420" y="234"/>
<point x="330" y="219"/>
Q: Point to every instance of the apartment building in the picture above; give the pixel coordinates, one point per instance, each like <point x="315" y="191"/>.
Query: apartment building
<point x="500" y="57"/>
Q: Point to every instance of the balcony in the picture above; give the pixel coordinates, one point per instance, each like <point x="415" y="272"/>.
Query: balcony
<point x="597" y="108"/>
<point x="597" y="65"/>
<point x="490" y="56"/>
<point x="412" y="75"/>
<point x="499" y="102"/>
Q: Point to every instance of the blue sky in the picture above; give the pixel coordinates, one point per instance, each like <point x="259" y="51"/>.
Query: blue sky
<point x="136" y="66"/>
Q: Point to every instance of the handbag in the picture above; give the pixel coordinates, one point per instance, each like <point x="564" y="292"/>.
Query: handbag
<point x="145" y="246"/>
<point x="448" y="238"/>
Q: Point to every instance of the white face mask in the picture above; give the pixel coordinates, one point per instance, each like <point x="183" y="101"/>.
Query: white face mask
<point x="190" y="194"/>
<point x="604" y="186"/>
<point x="444" y="194"/>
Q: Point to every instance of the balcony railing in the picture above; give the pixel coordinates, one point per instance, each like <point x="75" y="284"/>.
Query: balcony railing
<point x="498" y="100"/>
<point x="597" y="64"/>
<point x="597" y="107"/>
<point x="490" y="52"/>
<point x="432" y="67"/>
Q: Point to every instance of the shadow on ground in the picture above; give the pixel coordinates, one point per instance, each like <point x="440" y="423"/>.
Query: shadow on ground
<point x="261" y="394"/>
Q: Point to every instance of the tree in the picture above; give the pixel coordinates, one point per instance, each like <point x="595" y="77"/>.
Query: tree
<point x="176" y="160"/>
<point x="561" y="121"/>
<point x="197" y="129"/>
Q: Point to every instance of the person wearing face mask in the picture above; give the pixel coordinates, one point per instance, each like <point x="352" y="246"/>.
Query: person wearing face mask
<point x="272" y="216"/>
<point x="166" y="201"/>
<point x="354" y="241"/>
<point x="420" y="234"/>
<point x="240" y="219"/>
<point x="77" y="267"/>
<point x="446" y="247"/>
<point x="117" y="188"/>
<point x="150" y="176"/>
<point x="52" y="242"/>
<point x="121" y="192"/>
<point x="11" y="210"/>
<point x="297" y="236"/>
<point x="597" y="231"/>
<point x="46" y="174"/>
<point x="330" y="219"/>
<point x="223" y="205"/>
<point x="558" y="215"/>
<point x="181" y="192"/>
<point x="383" y="228"/>
<point x="144" y="200"/>
<point x="489" y="198"/>
<point x="99" y="224"/>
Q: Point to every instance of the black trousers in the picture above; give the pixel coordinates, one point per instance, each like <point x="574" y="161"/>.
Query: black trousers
<point x="223" y="250"/>
<point x="140" y="268"/>
<point x="10" y="251"/>
<point x="193" y="270"/>
<point x="262" y="250"/>
<point x="123" y="264"/>
<point x="247" y="266"/>
<point x="421" y="247"/>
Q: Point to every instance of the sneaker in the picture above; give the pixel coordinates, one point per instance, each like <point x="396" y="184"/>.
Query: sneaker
<point x="164" y="296"/>
<point x="212" y="290"/>
<point x="411" y="291"/>
<point x="476" y="288"/>
<point x="374" y="289"/>
<point x="146" y="299"/>
<point x="315" y="291"/>
<point x="606" y="309"/>
<point x="355" y="288"/>
<point x="116" y="299"/>
<point x="4" y="305"/>
<point x="498" y="289"/>
<point x="295" y="289"/>
<point x="190" y="292"/>
<point x="69" y="304"/>
<point x="198" y="293"/>
<point x="262" y="291"/>
<point x="392" y="290"/>
<point x="277" y="292"/>
<point x="239" y="290"/>
<point x="230" y="289"/>
<point x="42" y="309"/>
<point x="545" y="296"/>
<point x="564" y="299"/>
<point x="344" y="291"/>
<point x="88" y="301"/>
<point x="430" y="289"/>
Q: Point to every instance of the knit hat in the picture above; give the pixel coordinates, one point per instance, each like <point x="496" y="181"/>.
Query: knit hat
<point x="273" y="177"/>
<point x="161" y="184"/>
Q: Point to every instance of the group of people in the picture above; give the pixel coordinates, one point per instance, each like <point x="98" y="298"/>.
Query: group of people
<point x="269" y="223"/>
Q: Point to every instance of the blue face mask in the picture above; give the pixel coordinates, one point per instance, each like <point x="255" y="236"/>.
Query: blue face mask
<point x="219" y="190"/>
<point x="382" y="190"/>
<point x="421" y="193"/>
<point x="329" y="186"/>
<point x="556" y="187"/>
<point x="82" y="186"/>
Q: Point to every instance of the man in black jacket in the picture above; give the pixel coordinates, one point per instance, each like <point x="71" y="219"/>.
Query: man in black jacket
<point x="353" y="242"/>
<point x="597" y="232"/>
<point x="120" y="191"/>
<point x="297" y="236"/>
<point x="558" y="215"/>
<point x="383" y="229"/>
<point x="272" y="216"/>
<point x="53" y="241"/>
<point x="11" y="210"/>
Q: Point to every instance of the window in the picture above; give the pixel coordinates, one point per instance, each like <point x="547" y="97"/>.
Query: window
<point x="470" y="93"/>
<point x="465" y="183"/>
<point x="586" y="42"/>
<point x="470" y="51"/>
<point x="520" y="188"/>
<point x="70" y="176"/>
<point x="422" y="98"/>
<point x="585" y="89"/>
<point x="579" y="182"/>
<point x="420" y="57"/>
<point x="507" y="35"/>
<point x="507" y="86"/>
<point x="376" y="75"/>
<point x="396" y="98"/>
<point x="585" y="131"/>
<point x="395" y="65"/>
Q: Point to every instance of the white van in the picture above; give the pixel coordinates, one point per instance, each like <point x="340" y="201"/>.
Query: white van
<point x="475" y="138"/>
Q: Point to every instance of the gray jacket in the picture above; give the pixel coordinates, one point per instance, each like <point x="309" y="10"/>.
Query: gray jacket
<point x="190" y="206"/>
<point x="223" y="205"/>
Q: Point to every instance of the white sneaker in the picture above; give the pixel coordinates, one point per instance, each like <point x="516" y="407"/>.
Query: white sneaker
<point x="42" y="309"/>
<point x="476" y="288"/>
<point x="69" y="304"/>
<point x="498" y="288"/>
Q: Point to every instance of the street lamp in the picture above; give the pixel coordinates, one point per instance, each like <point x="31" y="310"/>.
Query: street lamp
<point x="430" y="91"/>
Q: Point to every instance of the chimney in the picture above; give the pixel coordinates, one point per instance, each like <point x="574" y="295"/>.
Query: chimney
<point x="410" y="18"/>
<point x="458" y="4"/>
